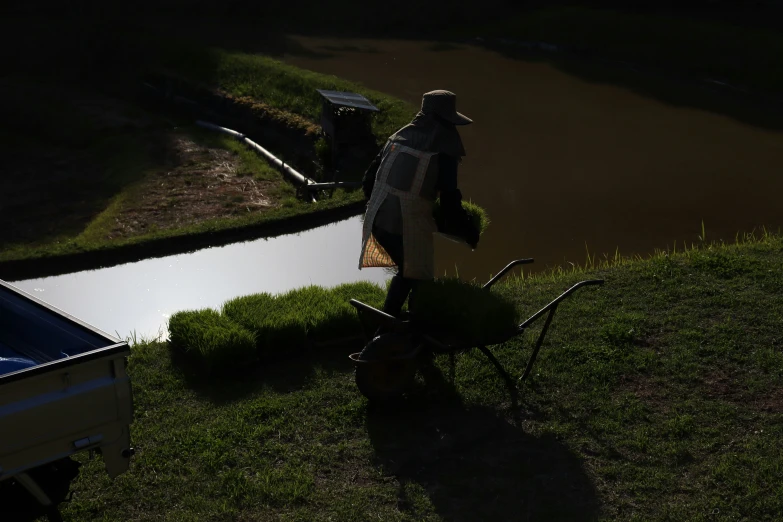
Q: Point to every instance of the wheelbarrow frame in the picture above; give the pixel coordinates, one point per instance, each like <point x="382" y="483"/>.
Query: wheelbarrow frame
<point x="371" y="318"/>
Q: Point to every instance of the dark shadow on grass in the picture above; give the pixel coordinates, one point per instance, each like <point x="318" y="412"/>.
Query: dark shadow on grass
<point x="475" y="465"/>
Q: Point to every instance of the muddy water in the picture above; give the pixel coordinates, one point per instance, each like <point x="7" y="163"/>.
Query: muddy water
<point x="562" y="164"/>
<point x="140" y="297"/>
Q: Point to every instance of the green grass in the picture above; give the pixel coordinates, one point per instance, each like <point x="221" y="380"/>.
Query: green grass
<point x="658" y="396"/>
<point x="743" y="55"/>
<point x="289" y="88"/>
<point x="212" y="339"/>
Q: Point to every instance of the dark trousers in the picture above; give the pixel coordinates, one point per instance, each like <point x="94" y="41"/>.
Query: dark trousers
<point x="400" y="286"/>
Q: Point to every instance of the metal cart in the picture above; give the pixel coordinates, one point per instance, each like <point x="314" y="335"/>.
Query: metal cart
<point x="386" y="367"/>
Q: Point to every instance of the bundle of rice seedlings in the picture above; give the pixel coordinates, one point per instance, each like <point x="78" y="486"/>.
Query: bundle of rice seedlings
<point x="212" y="340"/>
<point x="465" y="310"/>
<point x="477" y="214"/>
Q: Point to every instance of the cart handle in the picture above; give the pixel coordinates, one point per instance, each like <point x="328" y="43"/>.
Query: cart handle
<point x="503" y="272"/>
<point x="556" y="301"/>
<point x="383" y="318"/>
<point x="551" y="308"/>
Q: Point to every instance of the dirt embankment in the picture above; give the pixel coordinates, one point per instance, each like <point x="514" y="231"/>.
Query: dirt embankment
<point x="198" y="183"/>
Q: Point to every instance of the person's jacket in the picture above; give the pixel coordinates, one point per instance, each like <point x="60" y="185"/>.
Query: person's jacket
<point x="452" y="218"/>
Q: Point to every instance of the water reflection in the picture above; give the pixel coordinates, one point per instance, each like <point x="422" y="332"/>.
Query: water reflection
<point x="141" y="296"/>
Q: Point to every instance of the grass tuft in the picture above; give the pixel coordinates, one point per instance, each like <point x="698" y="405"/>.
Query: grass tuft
<point x="289" y="88"/>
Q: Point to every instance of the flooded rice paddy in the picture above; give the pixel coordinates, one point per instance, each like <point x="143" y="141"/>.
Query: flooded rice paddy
<point x="565" y="162"/>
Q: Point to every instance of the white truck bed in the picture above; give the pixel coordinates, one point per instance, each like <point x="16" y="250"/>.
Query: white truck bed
<point x="67" y="392"/>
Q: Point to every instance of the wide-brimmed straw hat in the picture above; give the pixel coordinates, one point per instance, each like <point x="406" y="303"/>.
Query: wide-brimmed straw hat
<point x="444" y="105"/>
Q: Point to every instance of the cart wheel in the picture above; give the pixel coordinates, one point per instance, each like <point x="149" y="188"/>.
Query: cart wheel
<point x="385" y="381"/>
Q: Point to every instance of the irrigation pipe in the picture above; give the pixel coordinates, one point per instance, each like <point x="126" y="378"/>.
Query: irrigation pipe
<point x="294" y="175"/>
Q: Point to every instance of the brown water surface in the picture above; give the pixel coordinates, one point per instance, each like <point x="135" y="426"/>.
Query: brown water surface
<point x="562" y="163"/>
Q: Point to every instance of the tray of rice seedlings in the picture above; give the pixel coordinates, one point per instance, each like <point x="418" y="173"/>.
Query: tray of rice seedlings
<point x="281" y="323"/>
<point x="212" y="341"/>
<point x="344" y="322"/>
<point x="290" y="322"/>
<point x="461" y="312"/>
<point x="476" y="214"/>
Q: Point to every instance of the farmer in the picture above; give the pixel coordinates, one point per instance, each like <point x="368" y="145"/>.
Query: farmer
<point x="417" y="163"/>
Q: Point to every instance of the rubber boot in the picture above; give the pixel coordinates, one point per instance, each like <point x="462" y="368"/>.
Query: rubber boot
<point x="399" y="288"/>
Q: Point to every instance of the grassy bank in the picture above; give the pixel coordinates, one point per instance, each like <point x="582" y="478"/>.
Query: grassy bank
<point x="88" y="243"/>
<point x="290" y="89"/>
<point x="110" y="138"/>
<point x="745" y="56"/>
<point x="97" y="186"/>
<point x="658" y="396"/>
<point x="91" y="171"/>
